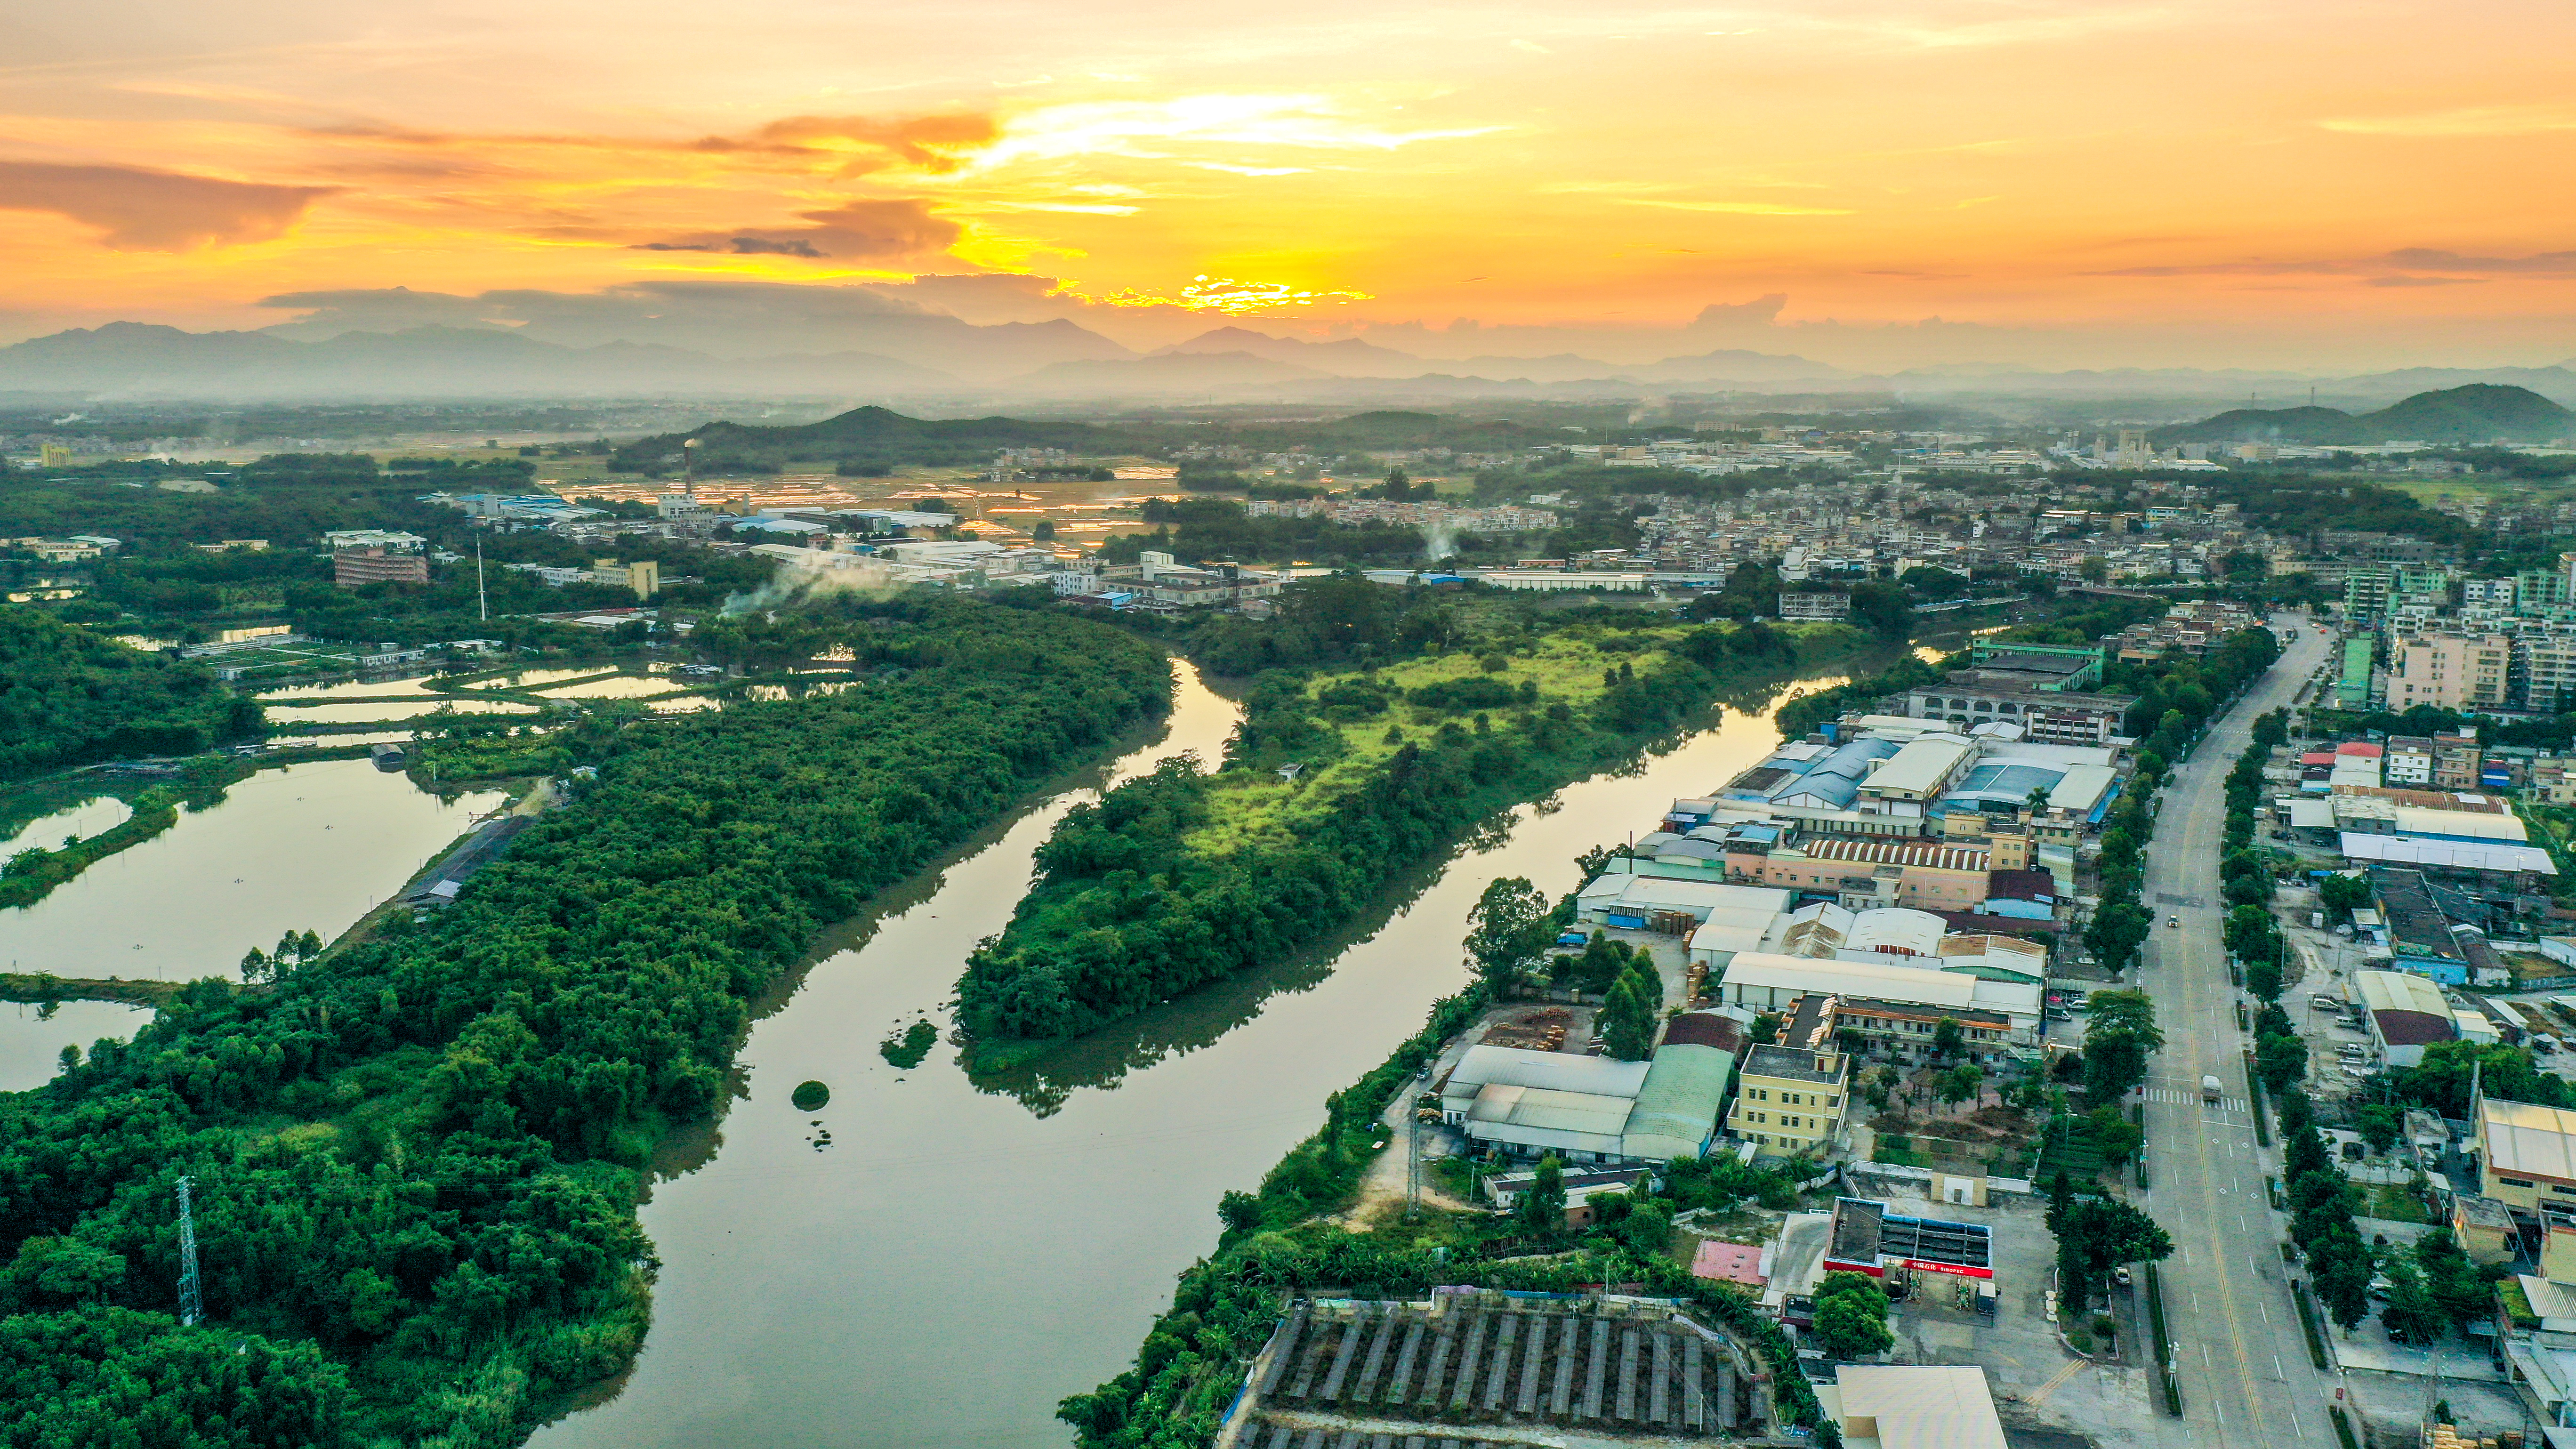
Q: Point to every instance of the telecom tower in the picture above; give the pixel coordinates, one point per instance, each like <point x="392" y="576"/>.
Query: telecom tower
<point x="192" y="1305"/>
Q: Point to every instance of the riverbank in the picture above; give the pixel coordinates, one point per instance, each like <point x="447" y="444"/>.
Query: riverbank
<point x="41" y="989"/>
<point x="953" y="1221"/>
<point x="1336" y="785"/>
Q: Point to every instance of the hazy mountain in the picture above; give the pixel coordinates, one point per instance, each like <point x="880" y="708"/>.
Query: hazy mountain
<point x="2477" y="413"/>
<point x="1349" y="357"/>
<point x="1176" y="374"/>
<point x="133" y="359"/>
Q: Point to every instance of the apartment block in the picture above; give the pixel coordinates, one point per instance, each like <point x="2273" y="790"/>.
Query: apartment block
<point x="2449" y="671"/>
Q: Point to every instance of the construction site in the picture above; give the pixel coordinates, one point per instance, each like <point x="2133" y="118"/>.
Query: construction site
<point x="1472" y="1367"/>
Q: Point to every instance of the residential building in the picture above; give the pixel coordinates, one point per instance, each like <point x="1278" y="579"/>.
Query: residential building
<point x="357" y="567"/>
<point x="1898" y="1007"/>
<point x="2458" y="762"/>
<point x="2544" y="671"/>
<point x="2408" y="760"/>
<point x="2191" y="629"/>
<point x="2449" y="671"/>
<point x="1790" y="1095"/>
<point x="1815" y="606"/>
<point x="2526" y="1154"/>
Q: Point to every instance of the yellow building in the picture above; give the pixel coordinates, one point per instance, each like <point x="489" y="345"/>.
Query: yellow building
<point x="2527" y="1154"/>
<point x="1790" y="1100"/>
<point x="643" y="575"/>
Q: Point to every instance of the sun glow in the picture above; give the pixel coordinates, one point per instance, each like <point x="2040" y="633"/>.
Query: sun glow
<point x="1204" y="293"/>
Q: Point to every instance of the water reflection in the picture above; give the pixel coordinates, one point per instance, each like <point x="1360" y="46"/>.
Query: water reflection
<point x="32" y="1040"/>
<point x="311" y="846"/>
<point x="1031" y="1223"/>
<point x="79" y="821"/>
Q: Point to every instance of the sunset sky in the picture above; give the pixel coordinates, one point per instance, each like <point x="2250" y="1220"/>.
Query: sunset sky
<point x="2185" y="182"/>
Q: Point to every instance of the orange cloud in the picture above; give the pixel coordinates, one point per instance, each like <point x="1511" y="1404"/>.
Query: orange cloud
<point x="892" y="228"/>
<point x="136" y="209"/>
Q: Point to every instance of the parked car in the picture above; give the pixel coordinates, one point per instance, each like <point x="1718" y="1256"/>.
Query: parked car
<point x="2357" y="1074"/>
<point x="2326" y="1003"/>
<point x="2173" y="923"/>
<point x="2120" y="1275"/>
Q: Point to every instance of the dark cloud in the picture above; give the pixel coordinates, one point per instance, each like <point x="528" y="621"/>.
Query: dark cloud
<point x="878" y="229"/>
<point x="136" y="209"/>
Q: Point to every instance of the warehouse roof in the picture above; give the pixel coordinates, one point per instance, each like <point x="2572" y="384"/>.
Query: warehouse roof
<point x="2409" y="1010"/>
<point x="1920" y="1406"/>
<point x="1676" y="1108"/>
<point x="2459" y="824"/>
<point x="1919" y="768"/>
<point x="1557" y="1071"/>
<point x="1851" y="978"/>
<point x="2447" y="854"/>
<point x="2526" y="1138"/>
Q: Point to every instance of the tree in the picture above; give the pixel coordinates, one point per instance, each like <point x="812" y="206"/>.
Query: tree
<point x="1626" y="1021"/>
<point x="1965" y="1082"/>
<point x="2280" y="1061"/>
<point x="1851" y="1316"/>
<point x="2410" y="1314"/>
<point x="2263" y="978"/>
<point x="1239" y="1211"/>
<point x="1948" y="1037"/>
<point x="2341" y="1266"/>
<point x="2061" y="1201"/>
<point x="2118" y="1138"/>
<point x="2096" y="1234"/>
<point x="2344" y="893"/>
<point x="2119" y="1035"/>
<point x="2250" y="934"/>
<point x="1507" y="932"/>
<point x="2462" y="1289"/>
<point x="2379" y="1125"/>
<point x="1542" y="1205"/>
<point x="2115" y="933"/>
<point x="1885" y="610"/>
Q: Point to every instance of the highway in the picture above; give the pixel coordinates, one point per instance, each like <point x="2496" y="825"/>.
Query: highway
<point x="2240" y="1356"/>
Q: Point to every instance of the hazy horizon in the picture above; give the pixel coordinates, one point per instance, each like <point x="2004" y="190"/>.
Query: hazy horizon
<point x="1868" y="185"/>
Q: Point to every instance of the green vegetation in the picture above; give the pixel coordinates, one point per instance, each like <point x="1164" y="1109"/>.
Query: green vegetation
<point x="1851" y="1316"/>
<point x="70" y="697"/>
<point x="1193" y="1360"/>
<point x="1179" y="878"/>
<point x="2094" y="1235"/>
<point x="909" y="1047"/>
<point x="33" y="873"/>
<point x="416" y="1159"/>
<point x="809" y="1096"/>
<point x="2480" y="412"/>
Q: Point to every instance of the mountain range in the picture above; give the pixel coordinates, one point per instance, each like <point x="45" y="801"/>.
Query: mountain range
<point x="934" y="357"/>
<point x="2475" y="413"/>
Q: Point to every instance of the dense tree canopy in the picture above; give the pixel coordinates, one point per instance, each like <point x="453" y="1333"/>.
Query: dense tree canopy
<point x="69" y="696"/>
<point x="421" y="1152"/>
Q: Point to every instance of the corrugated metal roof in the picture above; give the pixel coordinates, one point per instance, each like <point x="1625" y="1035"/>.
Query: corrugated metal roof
<point x="2460" y="824"/>
<point x="2447" y="854"/>
<point x="1556" y="1071"/>
<point x="1549" y="1110"/>
<point x="1918" y="768"/>
<point x="2527" y="1139"/>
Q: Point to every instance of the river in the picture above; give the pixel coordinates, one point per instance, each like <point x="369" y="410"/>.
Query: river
<point x="312" y="847"/>
<point x="958" y="1258"/>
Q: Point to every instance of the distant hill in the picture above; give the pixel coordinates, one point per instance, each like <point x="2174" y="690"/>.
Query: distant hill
<point x="2477" y="413"/>
<point x="131" y="359"/>
<point x="869" y="435"/>
<point x="1169" y="374"/>
<point x="1348" y="357"/>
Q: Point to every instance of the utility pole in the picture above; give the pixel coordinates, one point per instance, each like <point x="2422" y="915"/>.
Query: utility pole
<point x="192" y="1304"/>
<point x="482" y="606"/>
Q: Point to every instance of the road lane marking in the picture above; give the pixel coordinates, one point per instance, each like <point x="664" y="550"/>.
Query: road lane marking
<point x="2040" y="1394"/>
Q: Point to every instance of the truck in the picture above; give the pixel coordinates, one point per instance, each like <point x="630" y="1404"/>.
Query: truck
<point x="2210" y="1090"/>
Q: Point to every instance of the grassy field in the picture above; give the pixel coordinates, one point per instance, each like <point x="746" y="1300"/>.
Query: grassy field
<point x="1260" y="810"/>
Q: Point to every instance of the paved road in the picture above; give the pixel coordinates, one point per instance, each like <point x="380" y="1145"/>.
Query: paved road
<point x="2240" y="1355"/>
